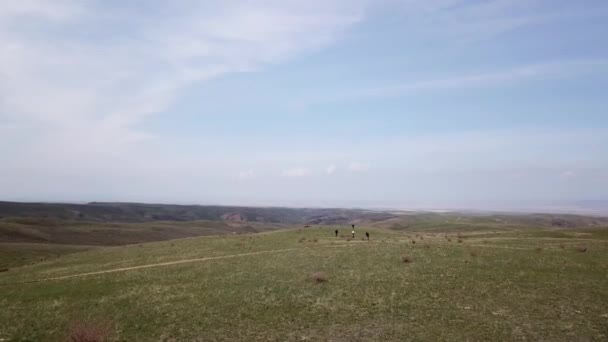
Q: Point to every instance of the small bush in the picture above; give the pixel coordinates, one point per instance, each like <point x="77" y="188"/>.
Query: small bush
<point x="582" y="249"/>
<point x="449" y="240"/>
<point x="3" y="269"/>
<point x="300" y="240"/>
<point x="538" y="249"/>
<point x="89" y="332"/>
<point x="319" y="277"/>
<point x="349" y="239"/>
<point x="473" y="254"/>
<point x="406" y="259"/>
<point x="315" y="240"/>
<point x="427" y="246"/>
<point x="460" y="241"/>
<point x="562" y="246"/>
<point x="413" y="242"/>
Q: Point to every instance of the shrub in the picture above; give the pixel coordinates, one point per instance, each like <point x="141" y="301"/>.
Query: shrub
<point x="300" y="240"/>
<point x="414" y="242"/>
<point x="473" y="253"/>
<point x="406" y="259"/>
<point x="427" y="246"/>
<point x="582" y="249"/>
<point x="349" y="239"/>
<point x="459" y="240"/>
<point x="449" y="240"/>
<point x="538" y="249"/>
<point x="3" y="269"/>
<point x="89" y="332"/>
<point x="562" y="246"/>
<point x="319" y="277"/>
<point x="315" y="240"/>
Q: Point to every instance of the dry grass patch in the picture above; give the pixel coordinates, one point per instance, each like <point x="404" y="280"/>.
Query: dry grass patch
<point x="319" y="277"/>
<point x="582" y="249"/>
<point x="82" y="331"/>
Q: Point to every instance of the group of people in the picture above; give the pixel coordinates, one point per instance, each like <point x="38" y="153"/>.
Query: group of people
<point x="353" y="233"/>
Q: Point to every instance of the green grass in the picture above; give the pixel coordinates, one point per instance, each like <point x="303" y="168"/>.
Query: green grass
<point x="485" y="288"/>
<point x="19" y="254"/>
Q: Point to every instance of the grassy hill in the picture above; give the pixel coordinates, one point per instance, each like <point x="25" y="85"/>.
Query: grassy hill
<point x="35" y="232"/>
<point x="141" y="212"/>
<point x="536" y="284"/>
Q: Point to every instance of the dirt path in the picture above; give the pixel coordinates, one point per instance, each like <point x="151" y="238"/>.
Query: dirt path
<point x="177" y="262"/>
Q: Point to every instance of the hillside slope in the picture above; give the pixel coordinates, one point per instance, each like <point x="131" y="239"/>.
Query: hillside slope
<point x="260" y="287"/>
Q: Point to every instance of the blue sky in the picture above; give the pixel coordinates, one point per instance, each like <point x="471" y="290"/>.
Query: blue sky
<point x="404" y="104"/>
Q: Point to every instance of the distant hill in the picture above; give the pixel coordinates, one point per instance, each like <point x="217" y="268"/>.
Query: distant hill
<point x="127" y="223"/>
<point x="140" y="212"/>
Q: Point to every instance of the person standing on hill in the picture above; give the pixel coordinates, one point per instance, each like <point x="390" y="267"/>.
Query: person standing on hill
<point x="367" y="235"/>
<point x="353" y="232"/>
<point x="336" y="233"/>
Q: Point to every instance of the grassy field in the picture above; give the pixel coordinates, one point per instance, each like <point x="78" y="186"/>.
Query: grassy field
<point x="507" y="285"/>
<point x="19" y="254"/>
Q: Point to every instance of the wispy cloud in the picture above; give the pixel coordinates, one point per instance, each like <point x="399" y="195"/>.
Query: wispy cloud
<point x="567" y="174"/>
<point x="297" y="172"/>
<point x="358" y="167"/>
<point x="330" y="169"/>
<point x="495" y="78"/>
<point x="248" y="174"/>
<point x="97" y="91"/>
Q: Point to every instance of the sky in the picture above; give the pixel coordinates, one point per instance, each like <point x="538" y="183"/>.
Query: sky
<point x="496" y="104"/>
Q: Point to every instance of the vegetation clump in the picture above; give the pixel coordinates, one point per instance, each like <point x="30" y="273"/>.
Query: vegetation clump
<point x="89" y="332"/>
<point x="319" y="277"/>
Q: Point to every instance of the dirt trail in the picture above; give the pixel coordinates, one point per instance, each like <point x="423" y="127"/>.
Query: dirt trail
<point x="168" y="263"/>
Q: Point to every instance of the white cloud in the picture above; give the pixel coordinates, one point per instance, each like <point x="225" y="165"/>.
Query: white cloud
<point x="248" y="174"/>
<point x="358" y="167"/>
<point x="297" y="172"/>
<point x="87" y="74"/>
<point x="330" y="169"/>
<point x="567" y="174"/>
<point x="495" y="78"/>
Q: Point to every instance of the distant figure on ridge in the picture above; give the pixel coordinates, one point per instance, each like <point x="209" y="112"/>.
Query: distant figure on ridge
<point x="367" y="235"/>
<point x="353" y="232"/>
<point x="336" y="233"/>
